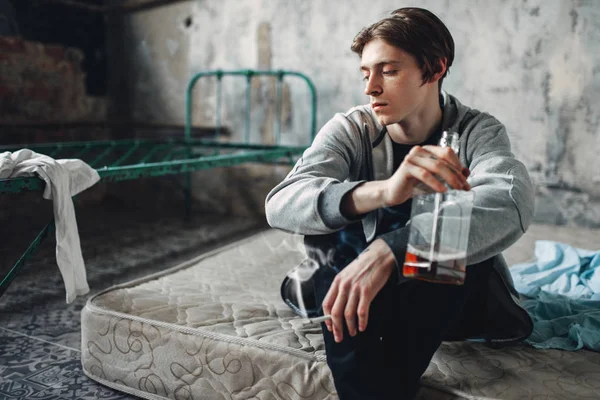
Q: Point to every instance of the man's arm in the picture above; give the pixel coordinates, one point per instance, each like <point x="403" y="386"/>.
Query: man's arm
<point x="504" y="194"/>
<point x="354" y="288"/>
<point x="323" y="193"/>
<point x="308" y="200"/>
<point x="503" y="205"/>
<point x="423" y="165"/>
<point x="502" y="212"/>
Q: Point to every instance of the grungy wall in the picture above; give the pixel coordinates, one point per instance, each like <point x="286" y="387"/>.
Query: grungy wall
<point x="534" y="64"/>
<point x="43" y="82"/>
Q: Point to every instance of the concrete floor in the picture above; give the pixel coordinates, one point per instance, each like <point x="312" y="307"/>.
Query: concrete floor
<point x="523" y="249"/>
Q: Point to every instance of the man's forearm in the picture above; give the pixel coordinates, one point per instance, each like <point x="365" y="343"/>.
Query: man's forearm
<point x="364" y="198"/>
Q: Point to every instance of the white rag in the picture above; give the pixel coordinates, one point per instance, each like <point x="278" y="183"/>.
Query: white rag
<point x="64" y="179"/>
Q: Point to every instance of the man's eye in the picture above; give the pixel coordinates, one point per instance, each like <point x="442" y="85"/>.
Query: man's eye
<point x="365" y="78"/>
<point x="389" y="72"/>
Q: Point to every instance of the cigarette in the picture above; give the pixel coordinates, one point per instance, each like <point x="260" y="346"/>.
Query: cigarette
<point x="317" y="320"/>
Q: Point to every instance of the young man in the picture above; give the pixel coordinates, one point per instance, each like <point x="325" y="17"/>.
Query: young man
<point x="354" y="186"/>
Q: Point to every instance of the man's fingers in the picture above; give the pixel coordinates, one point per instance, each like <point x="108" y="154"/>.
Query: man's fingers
<point x="446" y="154"/>
<point x="442" y="169"/>
<point x="337" y="312"/>
<point x="363" y="312"/>
<point x="328" y="303"/>
<point x="329" y="325"/>
<point x="350" y="312"/>
<point x="432" y="166"/>
<point x="426" y="177"/>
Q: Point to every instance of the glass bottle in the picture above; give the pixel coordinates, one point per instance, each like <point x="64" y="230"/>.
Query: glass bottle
<point x="439" y="231"/>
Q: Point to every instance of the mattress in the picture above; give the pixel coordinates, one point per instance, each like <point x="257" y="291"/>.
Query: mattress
<point x="215" y="328"/>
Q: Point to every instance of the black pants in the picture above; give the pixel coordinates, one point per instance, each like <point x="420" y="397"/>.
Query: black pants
<point x="407" y="323"/>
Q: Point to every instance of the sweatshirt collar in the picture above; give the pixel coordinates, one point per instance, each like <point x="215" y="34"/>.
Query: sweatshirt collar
<point x="444" y="105"/>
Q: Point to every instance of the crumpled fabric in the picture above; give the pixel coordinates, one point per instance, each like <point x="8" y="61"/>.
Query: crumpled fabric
<point x="64" y="178"/>
<point x="562" y="287"/>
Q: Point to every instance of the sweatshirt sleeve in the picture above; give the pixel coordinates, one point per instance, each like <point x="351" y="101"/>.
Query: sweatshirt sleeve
<point x="504" y="195"/>
<point x="308" y="200"/>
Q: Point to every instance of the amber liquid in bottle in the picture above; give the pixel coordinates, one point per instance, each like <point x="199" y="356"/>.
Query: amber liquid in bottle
<point x="446" y="267"/>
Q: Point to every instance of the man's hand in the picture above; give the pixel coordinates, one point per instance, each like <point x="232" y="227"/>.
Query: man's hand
<point x="355" y="287"/>
<point x="424" y="165"/>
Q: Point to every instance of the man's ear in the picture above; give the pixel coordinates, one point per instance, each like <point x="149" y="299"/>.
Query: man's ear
<point x="441" y="69"/>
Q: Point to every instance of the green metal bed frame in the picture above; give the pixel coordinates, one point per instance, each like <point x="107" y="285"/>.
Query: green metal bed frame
<point x="118" y="160"/>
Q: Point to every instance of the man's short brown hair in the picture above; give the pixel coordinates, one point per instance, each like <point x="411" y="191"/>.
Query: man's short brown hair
<point x="416" y="31"/>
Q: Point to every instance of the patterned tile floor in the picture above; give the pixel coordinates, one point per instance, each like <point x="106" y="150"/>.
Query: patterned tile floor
<point x="40" y="333"/>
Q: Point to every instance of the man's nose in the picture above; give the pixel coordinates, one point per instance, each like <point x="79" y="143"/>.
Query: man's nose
<point x="372" y="86"/>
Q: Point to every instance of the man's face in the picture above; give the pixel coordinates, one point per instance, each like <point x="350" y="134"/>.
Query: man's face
<point x="394" y="83"/>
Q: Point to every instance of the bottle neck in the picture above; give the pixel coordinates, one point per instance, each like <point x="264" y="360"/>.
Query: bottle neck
<point x="450" y="139"/>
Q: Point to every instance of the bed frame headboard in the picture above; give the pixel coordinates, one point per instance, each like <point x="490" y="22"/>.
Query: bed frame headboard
<point x="249" y="75"/>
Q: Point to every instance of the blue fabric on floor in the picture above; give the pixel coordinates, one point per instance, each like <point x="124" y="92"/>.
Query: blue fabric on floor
<point x="560" y="322"/>
<point x="563" y="287"/>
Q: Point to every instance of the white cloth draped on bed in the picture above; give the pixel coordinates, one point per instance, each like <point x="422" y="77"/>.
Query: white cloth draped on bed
<point x="64" y="179"/>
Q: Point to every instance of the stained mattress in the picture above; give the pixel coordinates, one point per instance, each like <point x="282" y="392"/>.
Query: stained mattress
<point x="215" y="328"/>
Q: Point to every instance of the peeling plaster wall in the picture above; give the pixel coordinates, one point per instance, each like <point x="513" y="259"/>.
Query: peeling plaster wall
<point x="149" y="64"/>
<point x="534" y="64"/>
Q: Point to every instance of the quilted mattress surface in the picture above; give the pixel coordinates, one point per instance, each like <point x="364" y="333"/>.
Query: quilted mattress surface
<point x="215" y="328"/>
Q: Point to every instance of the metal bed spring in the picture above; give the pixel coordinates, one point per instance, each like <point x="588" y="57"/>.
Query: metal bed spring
<point x="117" y="160"/>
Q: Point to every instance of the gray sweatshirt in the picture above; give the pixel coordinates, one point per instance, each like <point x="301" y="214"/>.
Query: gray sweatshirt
<point x="308" y="201"/>
<point x="353" y="147"/>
